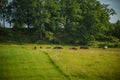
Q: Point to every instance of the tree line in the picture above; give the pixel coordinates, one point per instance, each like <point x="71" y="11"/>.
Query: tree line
<point x="58" y="21"/>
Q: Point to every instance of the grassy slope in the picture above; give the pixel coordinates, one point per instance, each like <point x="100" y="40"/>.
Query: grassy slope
<point x="23" y="63"/>
<point x="17" y="63"/>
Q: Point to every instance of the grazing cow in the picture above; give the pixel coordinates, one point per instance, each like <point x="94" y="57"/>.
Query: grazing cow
<point x="40" y="47"/>
<point x="48" y="47"/>
<point x="35" y="47"/>
<point x="58" y="47"/>
<point x="105" y="47"/>
<point x="73" y="48"/>
<point x="84" y="47"/>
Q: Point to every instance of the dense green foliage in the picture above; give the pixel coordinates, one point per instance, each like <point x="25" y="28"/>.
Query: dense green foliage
<point x="58" y="21"/>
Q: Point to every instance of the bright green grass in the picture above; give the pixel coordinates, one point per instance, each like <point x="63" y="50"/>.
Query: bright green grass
<point x="17" y="63"/>
<point x="22" y="62"/>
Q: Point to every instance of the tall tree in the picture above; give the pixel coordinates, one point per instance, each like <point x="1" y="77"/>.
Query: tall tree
<point x="23" y="12"/>
<point x="116" y="29"/>
<point x="3" y="10"/>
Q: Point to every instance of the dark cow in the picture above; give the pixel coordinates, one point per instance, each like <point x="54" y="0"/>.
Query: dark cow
<point x="40" y="47"/>
<point x="35" y="47"/>
<point x="58" y="47"/>
<point x="73" y="48"/>
<point x="84" y="47"/>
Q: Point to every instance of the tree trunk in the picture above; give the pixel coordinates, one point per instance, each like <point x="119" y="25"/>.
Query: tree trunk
<point x="28" y="26"/>
<point x="3" y="22"/>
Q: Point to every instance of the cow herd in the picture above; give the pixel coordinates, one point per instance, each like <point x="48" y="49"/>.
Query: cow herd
<point x="71" y="48"/>
<point x="60" y="47"/>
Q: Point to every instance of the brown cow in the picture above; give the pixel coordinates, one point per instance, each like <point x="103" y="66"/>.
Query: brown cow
<point x="35" y="47"/>
<point x="58" y="47"/>
<point x="73" y="48"/>
<point x="84" y="47"/>
<point x="40" y="47"/>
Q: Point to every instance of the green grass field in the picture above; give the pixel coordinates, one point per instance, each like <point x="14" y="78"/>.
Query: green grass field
<point x="22" y="62"/>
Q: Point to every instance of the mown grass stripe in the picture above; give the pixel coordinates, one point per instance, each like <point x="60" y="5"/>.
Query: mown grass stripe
<point x="56" y="66"/>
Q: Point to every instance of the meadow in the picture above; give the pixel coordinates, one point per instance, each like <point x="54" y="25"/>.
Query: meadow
<point x="22" y="62"/>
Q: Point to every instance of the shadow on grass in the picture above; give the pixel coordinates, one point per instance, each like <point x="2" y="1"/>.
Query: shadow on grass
<point x="56" y="66"/>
